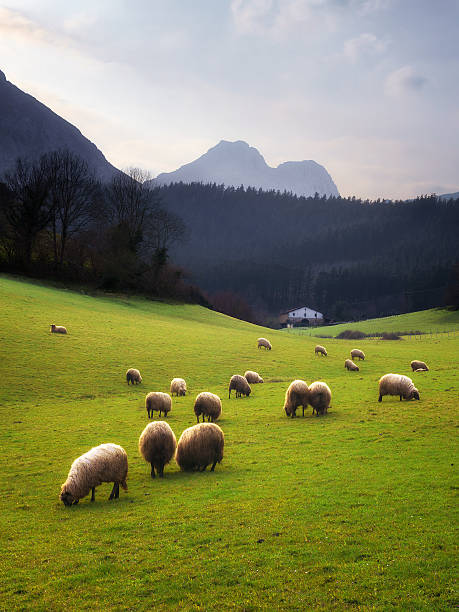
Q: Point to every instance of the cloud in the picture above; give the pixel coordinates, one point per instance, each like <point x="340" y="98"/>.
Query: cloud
<point x="404" y="80"/>
<point x="364" y="45"/>
<point x="14" y="24"/>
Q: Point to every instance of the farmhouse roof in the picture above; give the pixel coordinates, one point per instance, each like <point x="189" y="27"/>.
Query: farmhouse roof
<point x="299" y="308"/>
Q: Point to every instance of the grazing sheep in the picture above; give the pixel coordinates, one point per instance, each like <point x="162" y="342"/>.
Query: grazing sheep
<point x="319" y="397"/>
<point x="240" y="384"/>
<point x="209" y="405"/>
<point x="104" y="463"/>
<point x="265" y="343"/>
<point x="157" y="444"/>
<point x="419" y="366"/>
<point x="58" y="329"/>
<point x="357" y="353"/>
<point x="320" y="350"/>
<point x="296" y="396"/>
<point x="253" y="377"/>
<point x="156" y="400"/>
<point x="200" y="446"/>
<point x="133" y="376"/>
<point x="397" y="384"/>
<point x="350" y="365"/>
<point x="178" y="386"/>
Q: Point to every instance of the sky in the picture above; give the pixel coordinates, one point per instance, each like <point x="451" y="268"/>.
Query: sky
<point x="367" y="88"/>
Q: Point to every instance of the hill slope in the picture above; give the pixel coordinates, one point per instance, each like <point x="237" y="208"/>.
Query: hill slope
<point x="335" y="512"/>
<point x="28" y="128"/>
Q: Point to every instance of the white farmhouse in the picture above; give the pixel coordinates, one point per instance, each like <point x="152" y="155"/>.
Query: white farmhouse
<point x="304" y="315"/>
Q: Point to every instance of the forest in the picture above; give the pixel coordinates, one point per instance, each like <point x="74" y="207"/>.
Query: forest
<point x="247" y="252"/>
<point x="346" y="257"/>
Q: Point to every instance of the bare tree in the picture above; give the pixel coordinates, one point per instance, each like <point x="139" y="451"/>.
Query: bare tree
<point x="73" y="189"/>
<point x="30" y="208"/>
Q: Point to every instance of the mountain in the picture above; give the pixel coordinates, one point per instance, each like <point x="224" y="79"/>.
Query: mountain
<point x="449" y="196"/>
<point x="237" y="163"/>
<point x="28" y="128"/>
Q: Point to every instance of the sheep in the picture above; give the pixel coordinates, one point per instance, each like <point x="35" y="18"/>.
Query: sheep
<point x="104" y="463"/>
<point x="58" y="329"/>
<point x="357" y="353"/>
<point x="156" y="400"/>
<point x="209" y="405"/>
<point x="240" y="384"/>
<point x="320" y="349"/>
<point x="133" y="376"/>
<point x="296" y="396"/>
<point x="419" y="366"/>
<point x="157" y="444"/>
<point x="200" y="446"/>
<point x="178" y="386"/>
<point x="351" y="366"/>
<point x="265" y="343"/>
<point x="319" y="397"/>
<point x="397" y="384"/>
<point x="253" y="377"/>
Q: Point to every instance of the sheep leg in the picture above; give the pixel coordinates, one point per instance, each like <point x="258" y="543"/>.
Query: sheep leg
<point x="161" y="470"/>
<point x="213" y="466"/>
<point x="203" y="469"/>
<point x="380" y="398"/>
<point x="115" y="491"/>
<point x="198" y="418"/>
<point x="93" y="494"/>
<point x="152" y="470"/>
<point x="400" y="398"/>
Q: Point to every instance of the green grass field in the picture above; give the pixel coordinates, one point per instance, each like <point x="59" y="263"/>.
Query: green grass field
<point x="433" y="321"/>
<point x="353" y="510"/>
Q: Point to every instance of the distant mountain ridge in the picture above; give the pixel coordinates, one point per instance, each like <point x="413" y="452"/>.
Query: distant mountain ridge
<point x="237" y="163"/>
<point x="28" y="129"/>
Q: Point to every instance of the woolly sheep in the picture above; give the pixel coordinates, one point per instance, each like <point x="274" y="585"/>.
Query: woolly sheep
<point x="58" y="329"/>
<point x="157" y="444"/>
<point x="200" y="446"/>
<point x="253" y="377"/>
<point x="320" y="349"/>
<point x="351" y="366"/>
<point x="319" y="397"/>
<point x="397" y="384"/>
<point x="265" y="343"/>
<point x="178" y="386"/>
<point x="419" y="365"/>
<point x="296" y="396"/>
<point x="357" y="353"/>
<point x="209" y="405"/>
<point x="104" y="463"/>
<point x="156" y="400"/>
<point x="133" y="376"/>
<point x="240" y="384"/>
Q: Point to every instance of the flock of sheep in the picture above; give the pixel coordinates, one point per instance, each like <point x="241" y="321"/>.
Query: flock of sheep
<point x="202" y="444"/>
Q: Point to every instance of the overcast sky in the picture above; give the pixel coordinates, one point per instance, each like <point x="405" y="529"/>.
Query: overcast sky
<point x="368" y="88"/>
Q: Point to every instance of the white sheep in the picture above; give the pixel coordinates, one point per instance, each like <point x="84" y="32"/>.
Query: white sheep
<point x="157" y="444"/>
<point x="240" y="385"/>
<point x="351" y="366"/>
<point x="253" y="377"/>
<point x="262" y="342"/>
<point x="58" y="329"/>
<point x="397" y="384"/>
<point x="156" y="400"/>
<point x="320" y="350"/>
<point x="178" y="386"/>
<point x="104" y="463"/>
<point x="417" y="366"/>
<point x="296" y="395"/>
<point x="133" y="376"/>
<point x="357" y="353"/>
<point x="209" y="405"/>
<point x="319" y="397"/>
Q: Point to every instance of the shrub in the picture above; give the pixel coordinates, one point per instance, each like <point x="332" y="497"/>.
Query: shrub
<point x="390" y="336"/>
<point x="351" y="334"/>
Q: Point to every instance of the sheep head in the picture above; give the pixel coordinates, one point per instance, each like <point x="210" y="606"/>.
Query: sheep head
<point x="67" y="498"/>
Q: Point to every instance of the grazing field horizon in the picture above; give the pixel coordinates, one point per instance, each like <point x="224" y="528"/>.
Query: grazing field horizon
<point x="352" y="510"/>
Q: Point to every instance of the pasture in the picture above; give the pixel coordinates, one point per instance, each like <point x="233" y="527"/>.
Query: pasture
<point x="352" y="510"/>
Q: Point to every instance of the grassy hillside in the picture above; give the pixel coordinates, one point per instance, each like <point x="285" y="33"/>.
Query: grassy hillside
<point x="351" y="510"/>
<point x="433" y="321"/>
